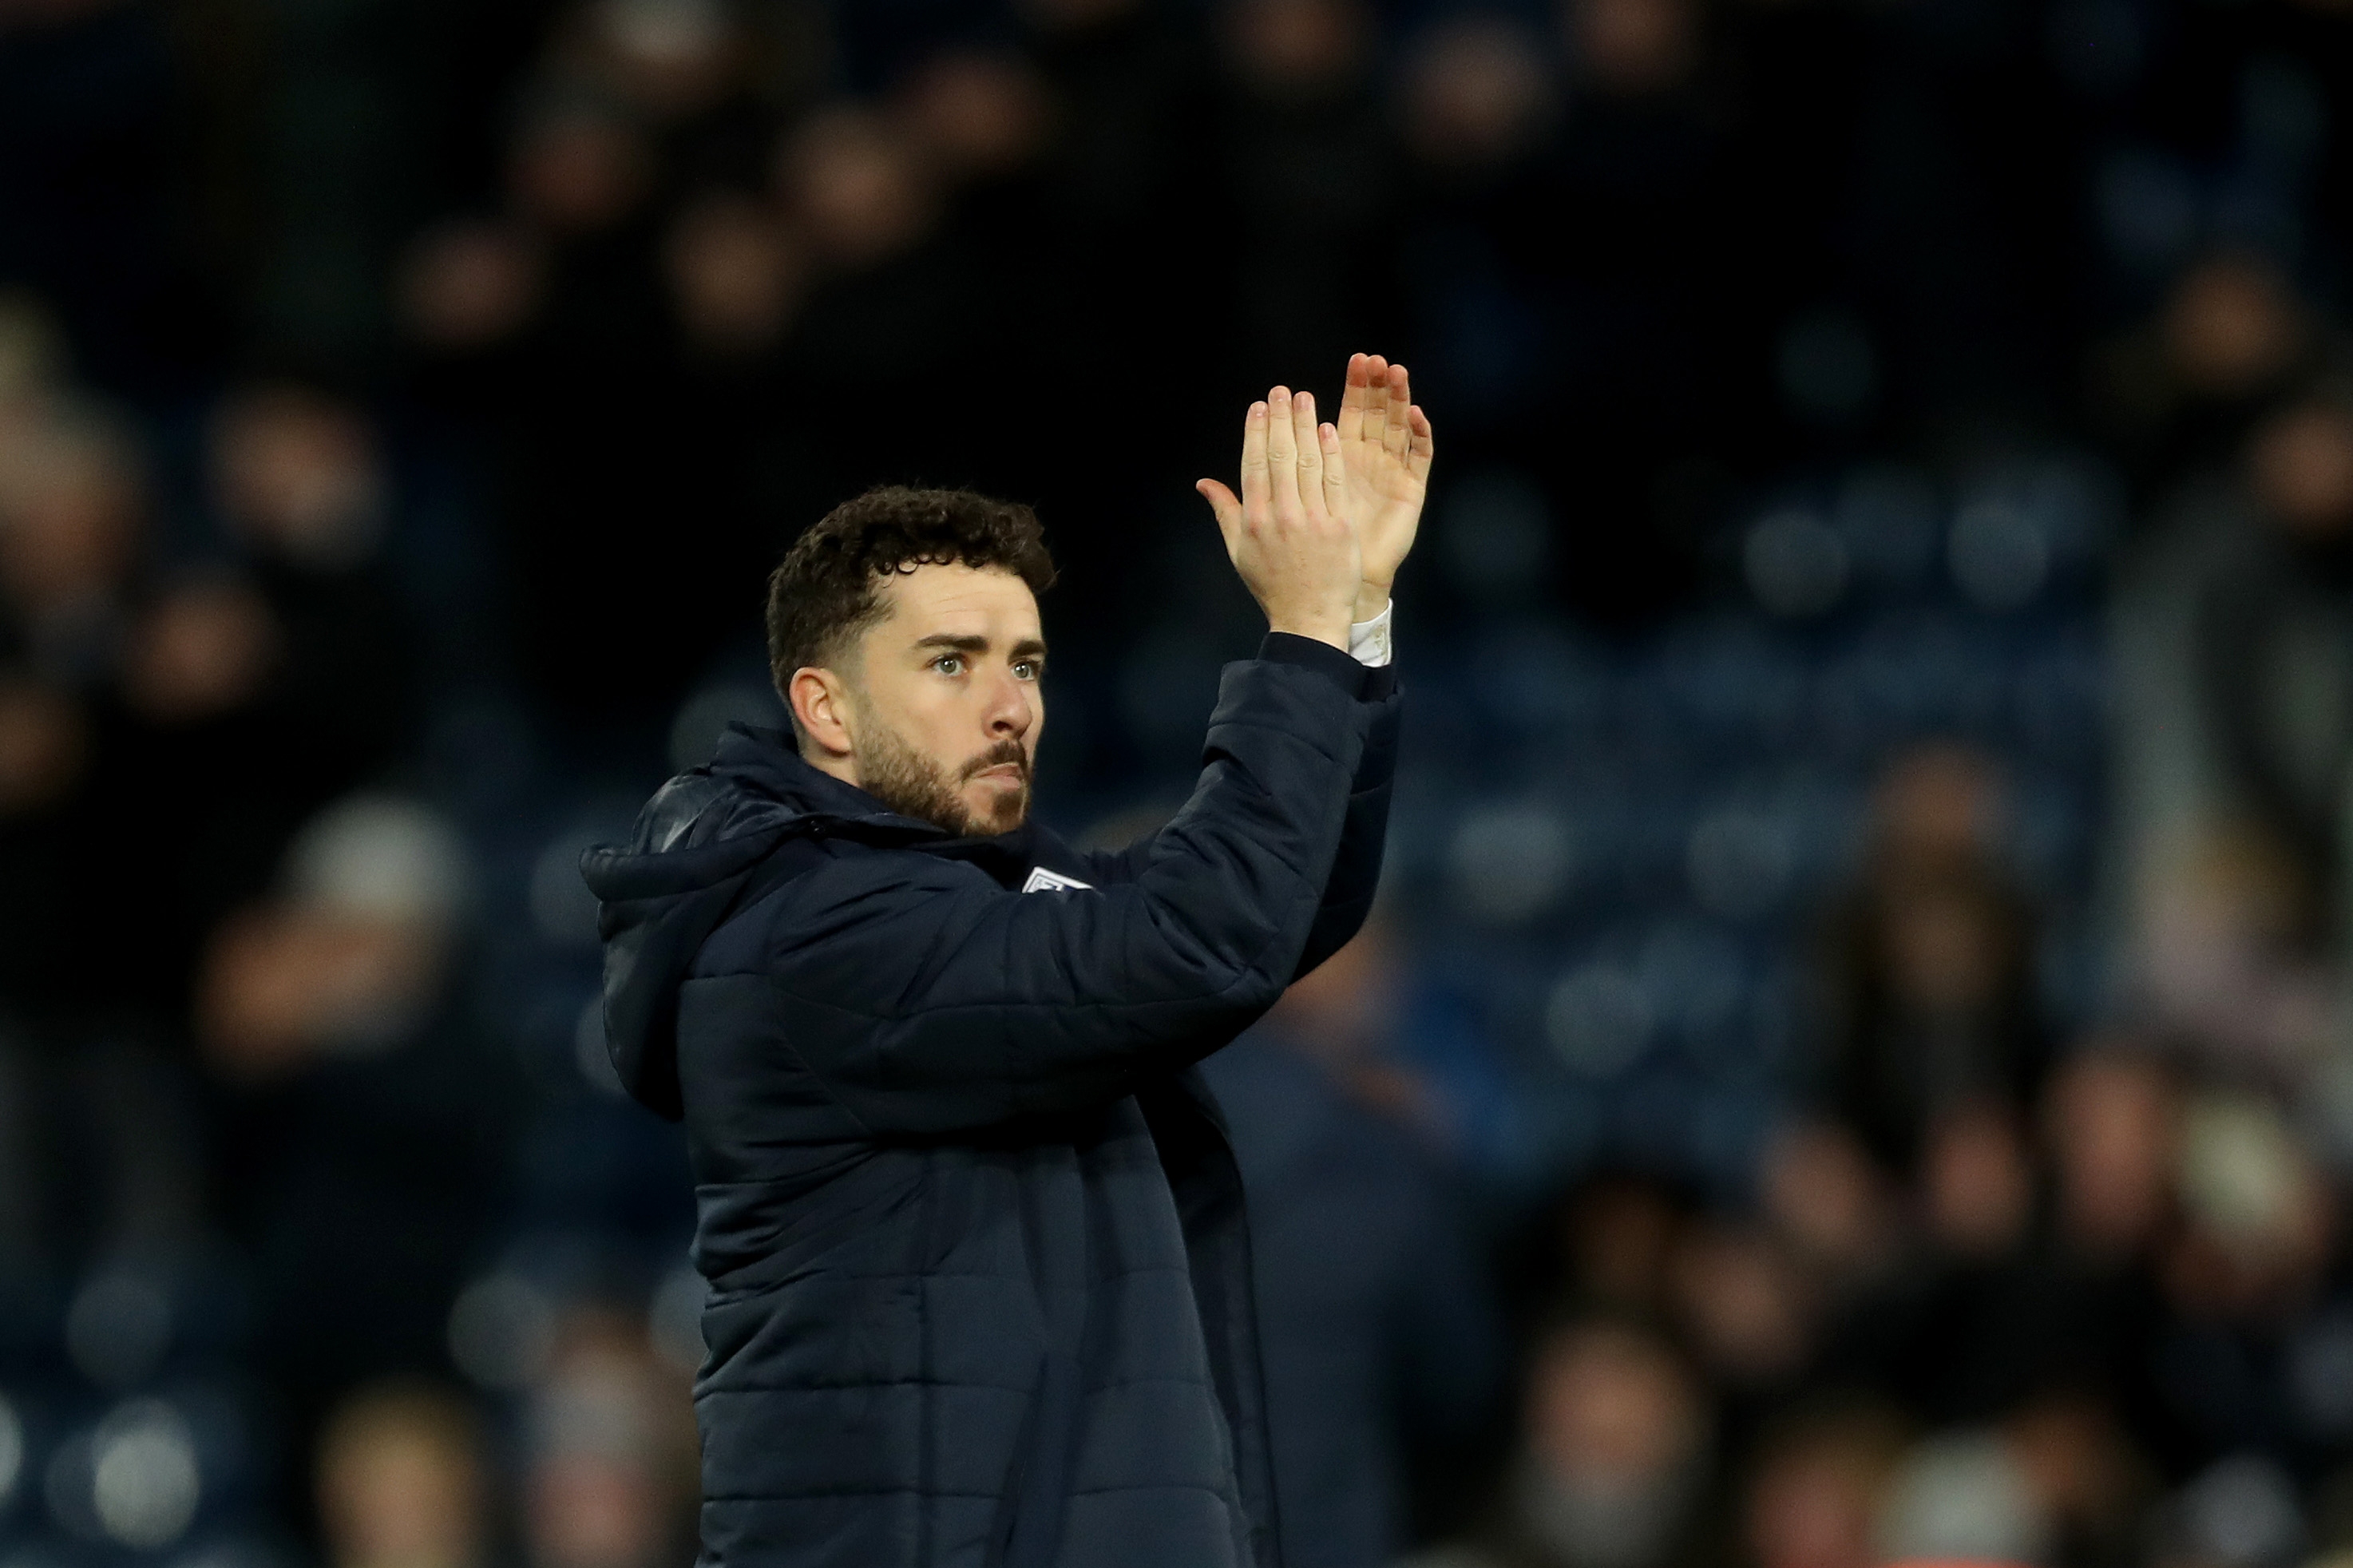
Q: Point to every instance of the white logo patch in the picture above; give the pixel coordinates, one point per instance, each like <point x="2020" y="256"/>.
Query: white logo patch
<point x="1042" y="880"/>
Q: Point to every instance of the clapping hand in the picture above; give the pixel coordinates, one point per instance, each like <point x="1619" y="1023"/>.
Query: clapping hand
<point x="1289" y="533"/>
<point x="1385" y="448"/>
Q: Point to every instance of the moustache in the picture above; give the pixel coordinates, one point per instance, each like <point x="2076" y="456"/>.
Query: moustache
<point x="1004" y="754"/>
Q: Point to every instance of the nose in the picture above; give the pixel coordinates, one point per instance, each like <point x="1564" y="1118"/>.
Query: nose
<point x="1011" y="711"/>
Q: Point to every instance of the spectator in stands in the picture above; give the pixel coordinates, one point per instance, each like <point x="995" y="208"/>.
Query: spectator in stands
<point x="1613" y="1467"/>
<point x="1748" y="1312"/>
<point x="301" y="480"/>
<point x="2228" y="958"/>
<point x="1609" y="1242"/>
<point x="72" y="504"/>
<point x="2088" y="1480"/>
<point x="1826" y="1200"/>
<point x="2274" y="633"/>
<point x="73" y="515"/>
<point x="2180" y="392"/>
<point x="1625" y="231"/>
<point x="462" y="288"/>
<point x="1308" y="170"/>
<point x="737" y="273"/>
<point x="1977" y="1182"/>
<point x="2111" y="1120"/>
<point x="1131" y="244"/>
<point x="44" y="759"/>
<point x="609" y="1454"/>
<point x="366" y="1148"/>
<point x="1380" y="1343"/>
<point x="2234" y="644"/>
<point x="1815" y="1485"/>
<point x="1478" y="100"/>
<point x="2249" y="1267"/>
<point x="265" y="685"/>
<point x="1125" y="169"/>
<point x="1928" y="967"/>
<point x="403" y="1481"/>
<point x="100" y="1152"/>
<point x="682" y="64"/>
<point x="2112" y="1130"/>
<point x="1972" y="1327"/>
<point x="1477" y="97"/>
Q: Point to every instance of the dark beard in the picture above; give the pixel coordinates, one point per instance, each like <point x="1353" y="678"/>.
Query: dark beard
<point x="913" y="786"/>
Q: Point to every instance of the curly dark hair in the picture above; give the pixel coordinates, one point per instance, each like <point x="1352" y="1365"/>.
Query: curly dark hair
<point x="828" y="589"/>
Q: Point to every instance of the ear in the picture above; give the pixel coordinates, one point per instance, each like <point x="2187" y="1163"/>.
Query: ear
<point x="820" y="705"/>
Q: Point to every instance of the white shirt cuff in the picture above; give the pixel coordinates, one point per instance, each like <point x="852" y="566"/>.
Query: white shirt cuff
<point x="1368" y="641"/>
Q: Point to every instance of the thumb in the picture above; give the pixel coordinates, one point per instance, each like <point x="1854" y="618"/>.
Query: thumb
<point x="1229" y="510"/>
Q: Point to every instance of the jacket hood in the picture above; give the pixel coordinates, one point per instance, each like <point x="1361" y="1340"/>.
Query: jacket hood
<point x="704" y="847"/>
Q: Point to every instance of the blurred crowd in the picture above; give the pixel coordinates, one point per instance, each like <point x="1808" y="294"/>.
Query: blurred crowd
<point x="1855" y="1061"/>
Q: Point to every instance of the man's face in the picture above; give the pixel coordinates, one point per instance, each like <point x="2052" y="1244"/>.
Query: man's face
<point x="946" y="706"/>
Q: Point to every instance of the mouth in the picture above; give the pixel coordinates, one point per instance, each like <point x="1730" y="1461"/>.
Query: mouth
<point x="1004" y="772"/>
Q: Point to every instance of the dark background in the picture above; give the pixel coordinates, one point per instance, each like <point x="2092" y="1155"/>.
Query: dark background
<point x="1853" y="1063"/>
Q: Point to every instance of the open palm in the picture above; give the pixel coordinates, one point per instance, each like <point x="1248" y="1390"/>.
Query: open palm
<point x="1385" y="448"/>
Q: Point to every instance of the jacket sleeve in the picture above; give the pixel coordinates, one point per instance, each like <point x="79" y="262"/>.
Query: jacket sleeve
<point x="927" y="999"/>
<point x="1357" y="867"/>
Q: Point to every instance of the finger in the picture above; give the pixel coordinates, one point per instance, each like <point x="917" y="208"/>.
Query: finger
<point x="1228" y="511"/>
<point x="1282" y="450"/>
<point x="1396" y="434"/>
<point x="1310" y="453"/>
<point x="1255" y="491"/>
<point x="1376" y="398"/>
<point x="1425" y="444"/>
<point x="1355" y="396"/>
<point x="1336" y="472"/>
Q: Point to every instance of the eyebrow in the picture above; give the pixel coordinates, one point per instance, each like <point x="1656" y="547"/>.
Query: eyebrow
<point x="1028" y="647"/>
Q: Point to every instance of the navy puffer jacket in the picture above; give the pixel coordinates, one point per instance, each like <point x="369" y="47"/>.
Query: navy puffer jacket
<point x="979" y="1279"/>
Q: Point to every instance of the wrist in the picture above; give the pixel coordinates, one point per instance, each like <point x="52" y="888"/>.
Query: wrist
<point x="1372" y="598"/>
<point x="1331" y="630"/>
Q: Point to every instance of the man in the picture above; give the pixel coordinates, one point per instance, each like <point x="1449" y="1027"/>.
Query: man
<point x="980" y="1288"/>
<point x="1383" y="1352"/>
